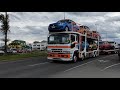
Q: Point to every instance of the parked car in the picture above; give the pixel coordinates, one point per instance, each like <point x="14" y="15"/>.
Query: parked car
<point x="14" y="50"/>
<point x="9" y="51"/>
<point x="20" y="51"/>
<point x="85" y="29"/>
<point x="83" y="45"/>
<point x="63" y="25"/>
<point x="105" y="45"/>
<point x="114" y="44"/>
<point x="95" y="34"/>
<point x="1" y="52"/>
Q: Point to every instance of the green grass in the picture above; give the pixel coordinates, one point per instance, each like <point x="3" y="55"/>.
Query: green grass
<point x="23" y="56"/>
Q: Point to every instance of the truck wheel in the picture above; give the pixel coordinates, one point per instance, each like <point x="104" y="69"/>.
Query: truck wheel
<point x="75" y="58"/>
<point x="54" y="61"/>
<point x="94" y="55"/>
<point x="83" y="57"/>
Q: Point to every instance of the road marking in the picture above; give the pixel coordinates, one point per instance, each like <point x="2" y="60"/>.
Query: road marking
<point x="110" y="66"/>
<point x="103" y="61"/>
<point x="77" y="66"/>
<point x="12" y="61"/>
<point x="107" y="56"/>
<point x="86" y="63"/>
<point x="38" y="64"/>
<point x="6" y="61"/>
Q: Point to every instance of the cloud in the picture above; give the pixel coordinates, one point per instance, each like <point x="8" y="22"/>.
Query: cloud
<point x="87" y="14"/>
<point x="32" y="26"/>
<point x="112" y="19"/>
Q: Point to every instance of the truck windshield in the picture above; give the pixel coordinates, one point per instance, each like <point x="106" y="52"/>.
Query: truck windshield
<point x="59" y="39"/>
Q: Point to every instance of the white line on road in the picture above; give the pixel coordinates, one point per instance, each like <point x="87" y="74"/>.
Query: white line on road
<point x="107" y="56"/>
<point x="86" y="63"/>
<point x="110" y="66"/>
<point x="77" y="66"/>
<point x="6" y="61"/>
<point x="38" y="64"/>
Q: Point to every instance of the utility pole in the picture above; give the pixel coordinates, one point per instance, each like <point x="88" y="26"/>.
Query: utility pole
<point x="6" y="34"/>
<point x="64" y="15"/>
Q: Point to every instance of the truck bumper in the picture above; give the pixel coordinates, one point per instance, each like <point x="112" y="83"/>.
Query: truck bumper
<point x="59" y="59"/>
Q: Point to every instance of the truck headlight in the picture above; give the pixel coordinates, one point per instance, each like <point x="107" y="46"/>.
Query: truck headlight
<point x="48" y="51"/>
<point x="66" y="51"/>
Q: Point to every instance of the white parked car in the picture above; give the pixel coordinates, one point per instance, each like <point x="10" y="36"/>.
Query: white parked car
<point x="116" y="46"/>
<point x="2" y="52"/>
<point x="14" y="50"/>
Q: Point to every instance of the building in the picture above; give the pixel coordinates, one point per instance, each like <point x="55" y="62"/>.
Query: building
<point x="17" y="44"/>
<point x="39" y="45"/>
<point x="43" y="45"/>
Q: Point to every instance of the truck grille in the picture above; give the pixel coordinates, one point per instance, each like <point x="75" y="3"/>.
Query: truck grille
<point x="57" y="50"/>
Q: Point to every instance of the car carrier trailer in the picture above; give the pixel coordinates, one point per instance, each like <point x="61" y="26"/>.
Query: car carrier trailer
<point x="67" y="46"/>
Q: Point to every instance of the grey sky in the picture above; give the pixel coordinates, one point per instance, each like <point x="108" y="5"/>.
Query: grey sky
<point x="32" y="26"/>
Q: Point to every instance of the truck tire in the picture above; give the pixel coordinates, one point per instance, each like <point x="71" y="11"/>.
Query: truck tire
<point x="94" y="55"/>
<point x="82" y="57"/>
<point x="54" y="61"/>
<point x="75" y="58"/>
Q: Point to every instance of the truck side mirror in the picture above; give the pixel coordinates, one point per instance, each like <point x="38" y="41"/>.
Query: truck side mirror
<point x="73" y="45"/>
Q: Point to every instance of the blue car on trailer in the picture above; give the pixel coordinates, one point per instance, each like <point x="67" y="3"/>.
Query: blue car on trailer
<point x="63" y="25"/>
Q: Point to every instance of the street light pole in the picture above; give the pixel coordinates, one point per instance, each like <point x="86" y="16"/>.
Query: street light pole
<point x="64" y="15"/>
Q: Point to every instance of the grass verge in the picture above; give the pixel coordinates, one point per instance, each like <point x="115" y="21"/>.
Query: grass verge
<point x="23" y="56"/>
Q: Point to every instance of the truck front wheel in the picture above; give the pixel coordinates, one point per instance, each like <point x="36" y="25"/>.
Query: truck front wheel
<point x="75" y="58"/>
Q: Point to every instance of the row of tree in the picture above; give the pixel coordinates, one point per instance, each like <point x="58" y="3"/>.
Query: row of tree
<point x="4" y="20"/>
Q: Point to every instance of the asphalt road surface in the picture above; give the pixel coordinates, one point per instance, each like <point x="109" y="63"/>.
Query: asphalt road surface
<point x="104" y="66"/>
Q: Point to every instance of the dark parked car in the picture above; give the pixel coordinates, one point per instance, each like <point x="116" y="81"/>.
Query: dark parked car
<point x="63" y="25"/>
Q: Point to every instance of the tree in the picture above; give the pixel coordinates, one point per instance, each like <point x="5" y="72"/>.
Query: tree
<point x="5" y="28"/>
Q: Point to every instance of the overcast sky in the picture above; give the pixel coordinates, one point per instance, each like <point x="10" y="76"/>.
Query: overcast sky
<point x="33" y="26"/>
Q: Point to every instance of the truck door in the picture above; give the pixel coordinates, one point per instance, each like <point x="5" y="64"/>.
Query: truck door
<point x="74" y="41"/>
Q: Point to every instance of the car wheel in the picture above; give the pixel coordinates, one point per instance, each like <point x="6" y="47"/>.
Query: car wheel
<point x="66" y="28"/>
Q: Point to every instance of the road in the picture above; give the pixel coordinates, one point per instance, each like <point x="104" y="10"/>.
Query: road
<point x="104" y="66"/>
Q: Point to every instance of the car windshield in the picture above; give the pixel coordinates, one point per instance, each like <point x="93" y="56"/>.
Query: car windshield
<point x="112" y="43"/>
<point x="62" y="21"/>
<point x="59" y="39"/>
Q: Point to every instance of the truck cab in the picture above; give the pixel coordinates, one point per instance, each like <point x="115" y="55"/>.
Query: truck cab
<point x="71" y="45"/>
<point x="63" y="45"/>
